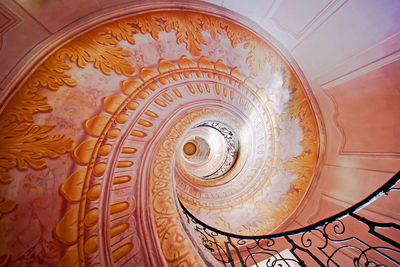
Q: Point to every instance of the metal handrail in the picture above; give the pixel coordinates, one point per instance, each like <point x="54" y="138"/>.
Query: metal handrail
<point x="320" y="228"/>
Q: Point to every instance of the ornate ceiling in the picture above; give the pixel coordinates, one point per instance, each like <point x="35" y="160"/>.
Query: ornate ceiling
<point x="91" y="144"/>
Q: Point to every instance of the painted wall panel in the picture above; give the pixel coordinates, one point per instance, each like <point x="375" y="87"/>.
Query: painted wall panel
<point x="367" y="111"/>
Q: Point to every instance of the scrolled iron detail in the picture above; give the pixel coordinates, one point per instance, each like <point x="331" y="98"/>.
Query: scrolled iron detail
<point x="300" y="247"/>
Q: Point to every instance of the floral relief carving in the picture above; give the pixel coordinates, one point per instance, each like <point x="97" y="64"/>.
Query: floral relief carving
<point x="25" y="144"/>
<point x="189" y="28"/>
<point x="101" y="50"/>
<point x="176" y="248"/>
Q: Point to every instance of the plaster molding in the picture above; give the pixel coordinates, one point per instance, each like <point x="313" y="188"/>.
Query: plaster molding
<point x="11" y="21"/>
<point x="341" y="151"/>
<point x="356" y="71"/>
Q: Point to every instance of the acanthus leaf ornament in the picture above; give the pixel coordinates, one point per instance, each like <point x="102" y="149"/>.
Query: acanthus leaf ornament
<point x="100" y="47"/>
<point x="103" y="52"/>
<point x="23" y="105"/>
<point x="188" y="30"/>
<point x="24" y="144"/>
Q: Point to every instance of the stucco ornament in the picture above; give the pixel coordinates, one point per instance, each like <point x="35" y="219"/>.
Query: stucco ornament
<point x="117" y="137"/>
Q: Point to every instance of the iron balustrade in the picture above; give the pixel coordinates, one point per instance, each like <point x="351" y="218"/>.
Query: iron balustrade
<point x="343" y="239"/>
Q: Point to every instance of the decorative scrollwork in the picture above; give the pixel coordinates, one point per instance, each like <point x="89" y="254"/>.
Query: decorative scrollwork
<point x="325" y="243"/>
<point x="232" y="144"/>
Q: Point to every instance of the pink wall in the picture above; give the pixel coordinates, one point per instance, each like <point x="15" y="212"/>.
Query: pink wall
<point x="367" y="112"/>
<point x="358" y="99"/>
<point x="363" y="118"/>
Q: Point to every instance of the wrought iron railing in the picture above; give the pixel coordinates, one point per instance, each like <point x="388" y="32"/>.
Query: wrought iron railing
<point x="344" y="239"/>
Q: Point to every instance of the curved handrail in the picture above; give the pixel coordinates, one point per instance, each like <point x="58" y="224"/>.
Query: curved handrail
<point x="372" y="197"/>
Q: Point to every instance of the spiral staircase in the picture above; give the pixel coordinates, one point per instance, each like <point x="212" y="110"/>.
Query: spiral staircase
<point x="187" y="133"/>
